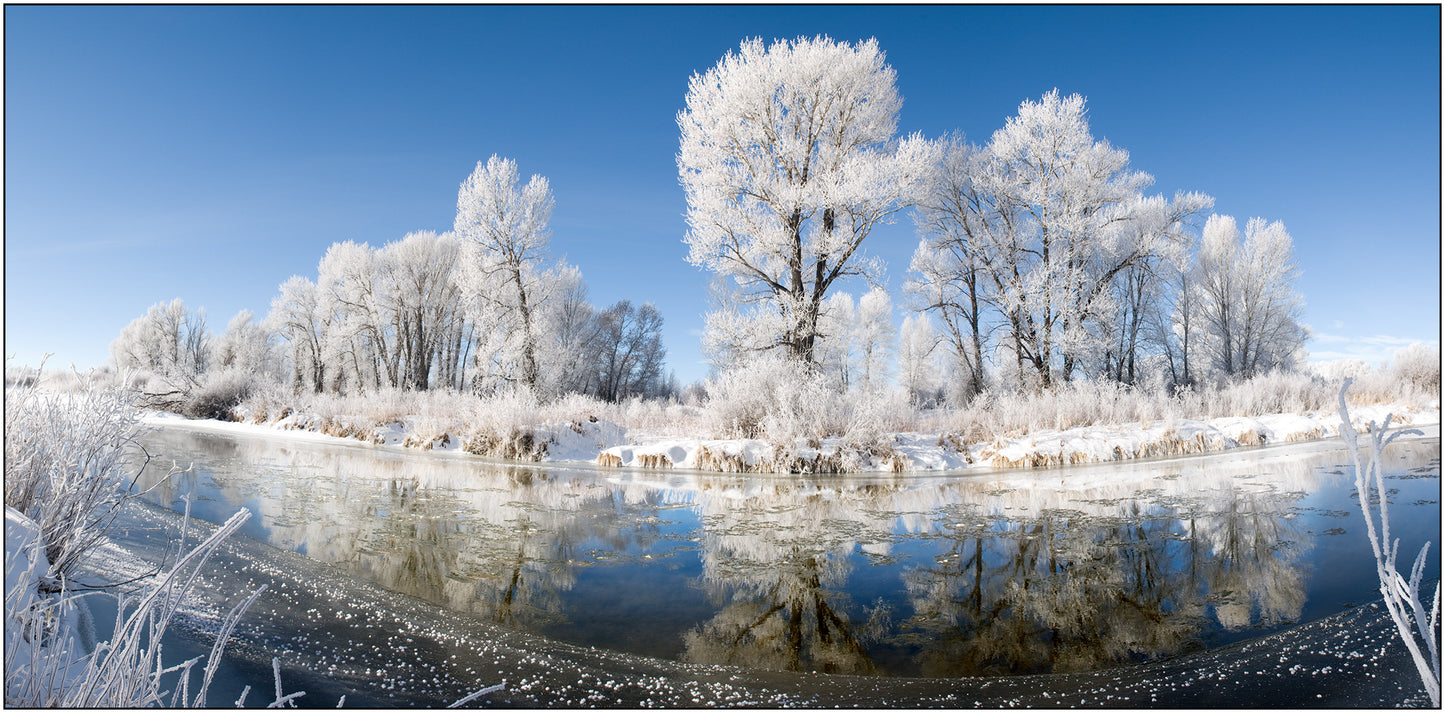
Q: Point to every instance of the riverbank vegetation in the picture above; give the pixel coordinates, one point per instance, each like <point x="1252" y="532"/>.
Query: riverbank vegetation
<point x="1049" y="291"/>
<point x="776" y="419"/>
<point x="65" y="482"/>
<point x="69" y="470"/>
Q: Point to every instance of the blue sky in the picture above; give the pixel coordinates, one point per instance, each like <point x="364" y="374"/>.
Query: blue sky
<point x="209" y="153"/>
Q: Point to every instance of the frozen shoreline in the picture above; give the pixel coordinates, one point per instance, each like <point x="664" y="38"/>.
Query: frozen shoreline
<point x="609" y="445"/>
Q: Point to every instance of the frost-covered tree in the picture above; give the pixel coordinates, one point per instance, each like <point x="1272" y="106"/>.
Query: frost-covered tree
<point x="353" y="294"/>
<point x="874" y="337"/>
<point x="573" y="345"/>
<point x="1041" y="224"/>
<point x="629" y="351"/>
<point x="503" y="228"/>
<point x="1140" y="288"/>
<point x="299" y="321"/>
<point x="246" y="346"/>
<point x="788" y="160"/>
<point x="954" y="214"/>
<point x="856" y="340"/>
<point x="918" y="371"/>
<point x="168" y="341"/>
<point x="1247" y="303"/>
<point x="834" y="350"/>
<point x="1080" y="219"/>
<point x="426" y="299"/>
<point x="395" y="313"/>
<point x="1174" y="326"/>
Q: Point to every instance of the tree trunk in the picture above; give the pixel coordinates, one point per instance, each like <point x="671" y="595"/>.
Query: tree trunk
<point x="529" y="352"/>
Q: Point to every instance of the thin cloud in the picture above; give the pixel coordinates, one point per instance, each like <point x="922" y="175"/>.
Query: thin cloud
<point x="1372" y="349"/>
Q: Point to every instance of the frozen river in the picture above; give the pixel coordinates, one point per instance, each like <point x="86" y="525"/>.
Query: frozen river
<point x="422" y="577"/>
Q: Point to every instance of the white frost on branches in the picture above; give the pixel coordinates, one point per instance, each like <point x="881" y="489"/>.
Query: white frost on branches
<point x="1039" y="226"/>
<point x="1246" y="297"/>
<point x="788" y="159"/>
<point x="504" y="230"/>
<point x="1413" y="620"/>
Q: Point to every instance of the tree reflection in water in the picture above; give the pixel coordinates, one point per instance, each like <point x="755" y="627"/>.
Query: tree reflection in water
<point x="1050" y="593"/>
<point x="790" y="621"/>
<point x="1070" y="590"/>
<point x="998" y="573"/>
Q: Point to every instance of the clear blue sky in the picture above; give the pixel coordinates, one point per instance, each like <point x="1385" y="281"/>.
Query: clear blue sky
<point x="209" y="153"/>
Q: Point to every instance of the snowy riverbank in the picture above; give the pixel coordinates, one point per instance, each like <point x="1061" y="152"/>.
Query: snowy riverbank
<point x="610" y="445"/>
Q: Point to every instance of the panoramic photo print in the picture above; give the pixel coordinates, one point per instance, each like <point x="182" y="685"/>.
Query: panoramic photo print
<point x="722" y="356"/>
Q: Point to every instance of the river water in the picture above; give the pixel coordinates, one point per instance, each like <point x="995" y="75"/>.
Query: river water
<point x="983" y="574"/>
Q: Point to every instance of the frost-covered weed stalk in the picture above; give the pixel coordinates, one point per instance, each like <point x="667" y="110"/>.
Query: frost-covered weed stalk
<point x="46" y="665"/>
<point x="64" y="485"/>
<point x="1414" y="622"/>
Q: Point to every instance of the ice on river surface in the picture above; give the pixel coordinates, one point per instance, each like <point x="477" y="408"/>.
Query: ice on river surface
<point x="1062" y="571"/>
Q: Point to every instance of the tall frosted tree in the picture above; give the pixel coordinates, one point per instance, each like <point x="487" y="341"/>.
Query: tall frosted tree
<point x="1162" y="231"/>
<point x="168" y="340"/>
<point x="1041" y="224"/>
<point x="955" y="214"/>
<point x="574" y="342"/>
<point x="918" y="371"/>
<point x="834" y="349"/>
<point x="630" y="351"/>
<point x="352" y="291"/>
<point x="245" y="346"/>
<point x="426" y="301"/>
<point x="874" y="337"/>
<point x="1247" y="303"/>
<point x="788" y="159"/>
<point x="298" y="319"/>
<point x="1084" y="221"/>
<point x="503" y="229"/>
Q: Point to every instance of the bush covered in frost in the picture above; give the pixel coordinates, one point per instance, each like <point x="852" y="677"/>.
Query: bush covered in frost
<point x="783" y="402"/>
<point x="1417" y="367"/>
<point x="218" y="395"/>
<point x="63" y="465"/>
<point x="65" y="482"/>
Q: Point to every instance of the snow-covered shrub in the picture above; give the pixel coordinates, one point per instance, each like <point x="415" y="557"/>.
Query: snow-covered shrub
<point x="1340" y="369"/>
<point x="1082" y="402"/>
<point x="264" y="403"/>
<point x="46" y="662"/>
<point x="21" y="376"/>
<point x="1417" y="367"/>
<point x="803" y="406"/>
<point x="168" y="340"/>
<point x="872" y="417"/>
<point x="219" y="393"/>
<point x="773" y="398"/>
<point x="65" y="482"/>
<point x="657" y="417"/>
<point x="1276" y="392"/>
<point x="789" y="406"/>
<point x="63" y="465"/>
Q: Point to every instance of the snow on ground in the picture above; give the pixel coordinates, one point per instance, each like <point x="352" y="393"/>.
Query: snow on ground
<point x="608" y="444"/>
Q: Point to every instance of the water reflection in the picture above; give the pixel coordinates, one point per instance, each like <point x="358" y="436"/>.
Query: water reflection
<point x="945" y="576"/>
<point x="778" y="562"/>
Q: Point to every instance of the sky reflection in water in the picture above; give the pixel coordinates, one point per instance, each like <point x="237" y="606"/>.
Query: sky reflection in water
<point x="1012" y="572"/>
